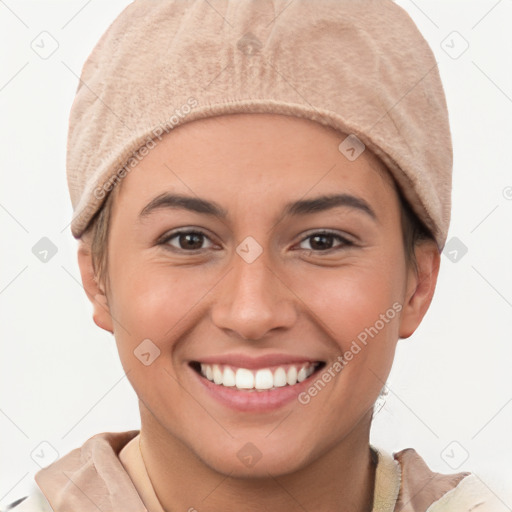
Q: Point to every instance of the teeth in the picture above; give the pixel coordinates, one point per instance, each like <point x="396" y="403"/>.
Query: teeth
<point x="217" y="374"/>
<point x="279" y="378"/>
<point x="244" y="379"/>
<point x="229" y="377"/>
<point x="291" y="376"/>
<point x="302" y="374"/>
<point x="264" y="378"/>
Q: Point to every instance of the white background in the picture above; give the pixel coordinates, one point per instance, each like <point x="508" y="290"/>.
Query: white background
<point x="450" y="391"/>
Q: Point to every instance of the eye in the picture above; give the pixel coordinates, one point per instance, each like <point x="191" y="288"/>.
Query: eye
<point x="193" y="240"/>
<point x="186" y="240"/>
<point x="322" y="241"/>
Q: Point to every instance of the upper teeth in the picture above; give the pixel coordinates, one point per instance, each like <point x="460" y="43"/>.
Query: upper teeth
<point x="264" y="378"/>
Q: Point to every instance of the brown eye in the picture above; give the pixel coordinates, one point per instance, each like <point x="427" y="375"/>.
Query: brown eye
<point x="186" y="240"/>
<point x="323" y="241"/>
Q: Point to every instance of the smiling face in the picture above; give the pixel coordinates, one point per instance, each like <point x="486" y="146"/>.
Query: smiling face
<point x="247" y="251"/>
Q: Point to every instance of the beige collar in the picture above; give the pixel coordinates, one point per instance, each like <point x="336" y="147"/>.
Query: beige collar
<point x="107" y="473"/>
<point x="131" y="458"/>
<point x="387" y="478"/>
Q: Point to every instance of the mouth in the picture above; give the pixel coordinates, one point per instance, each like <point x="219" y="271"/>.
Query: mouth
<point x="270" y="378"/>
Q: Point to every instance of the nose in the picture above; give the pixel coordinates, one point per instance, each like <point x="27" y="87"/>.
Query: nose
<point x="254" y="300"/>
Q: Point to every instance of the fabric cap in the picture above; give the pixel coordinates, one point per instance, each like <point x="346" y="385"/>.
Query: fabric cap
<point x="359" y="66"/>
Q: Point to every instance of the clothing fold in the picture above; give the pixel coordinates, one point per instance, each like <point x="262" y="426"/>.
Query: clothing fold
<point x="107" y="473"/>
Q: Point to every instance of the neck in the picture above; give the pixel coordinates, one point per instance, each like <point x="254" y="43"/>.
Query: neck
<point x="342" y="479"/>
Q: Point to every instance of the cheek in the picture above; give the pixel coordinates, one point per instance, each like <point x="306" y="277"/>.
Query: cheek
<point x="352" y="299"/>
<point x="154" y="303"/>
<point x="359" y="307"/>
<point x="364" y="343"/>
<point x="154" y="309"/>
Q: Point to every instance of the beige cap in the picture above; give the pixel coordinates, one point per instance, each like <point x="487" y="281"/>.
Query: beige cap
<point x="359" y="66"/>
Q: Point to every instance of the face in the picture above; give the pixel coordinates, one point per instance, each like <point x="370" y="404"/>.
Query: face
<point x="245" y="252"/>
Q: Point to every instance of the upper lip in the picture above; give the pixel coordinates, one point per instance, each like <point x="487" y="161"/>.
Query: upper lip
<point x="263" y="361"/>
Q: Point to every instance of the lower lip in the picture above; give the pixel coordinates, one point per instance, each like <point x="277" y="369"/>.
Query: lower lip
<point x="253" y="401"/>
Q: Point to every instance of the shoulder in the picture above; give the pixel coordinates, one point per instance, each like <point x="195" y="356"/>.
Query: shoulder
<point x="90" y="464"/>
<point x="424" y="490"/>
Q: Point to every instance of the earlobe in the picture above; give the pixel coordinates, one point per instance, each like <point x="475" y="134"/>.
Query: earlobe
<point x="420" y="287"/>
<point x="101" y="311"/>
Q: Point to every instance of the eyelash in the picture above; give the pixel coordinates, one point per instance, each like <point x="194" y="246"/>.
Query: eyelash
<point x="344" y="241"/>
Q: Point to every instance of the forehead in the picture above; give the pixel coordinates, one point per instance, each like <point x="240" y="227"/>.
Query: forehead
<point x="264" y="155"/>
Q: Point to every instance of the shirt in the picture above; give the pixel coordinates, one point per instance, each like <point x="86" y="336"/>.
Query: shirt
<point x="107" y="473"/>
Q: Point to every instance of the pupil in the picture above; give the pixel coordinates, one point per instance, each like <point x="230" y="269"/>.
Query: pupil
<point x="191" y="239"/>
<point x="322" y="245"/>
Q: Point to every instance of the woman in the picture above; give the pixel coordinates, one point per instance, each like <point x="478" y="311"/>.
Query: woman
<point x="261" y="193"/>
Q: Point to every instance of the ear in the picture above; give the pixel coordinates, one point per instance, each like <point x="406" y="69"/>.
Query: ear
<point x="420" y="287"/>
<point x="101" y="311"/>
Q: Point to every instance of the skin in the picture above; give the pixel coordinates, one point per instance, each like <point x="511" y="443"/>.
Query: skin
<point x="298" y="298"/>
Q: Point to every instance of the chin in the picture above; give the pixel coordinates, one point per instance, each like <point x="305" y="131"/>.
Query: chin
<point x="269" y="465"/>
<point x="261" y="458"/>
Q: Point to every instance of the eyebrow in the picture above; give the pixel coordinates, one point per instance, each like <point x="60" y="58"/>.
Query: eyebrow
<point x="296" y="208"/>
